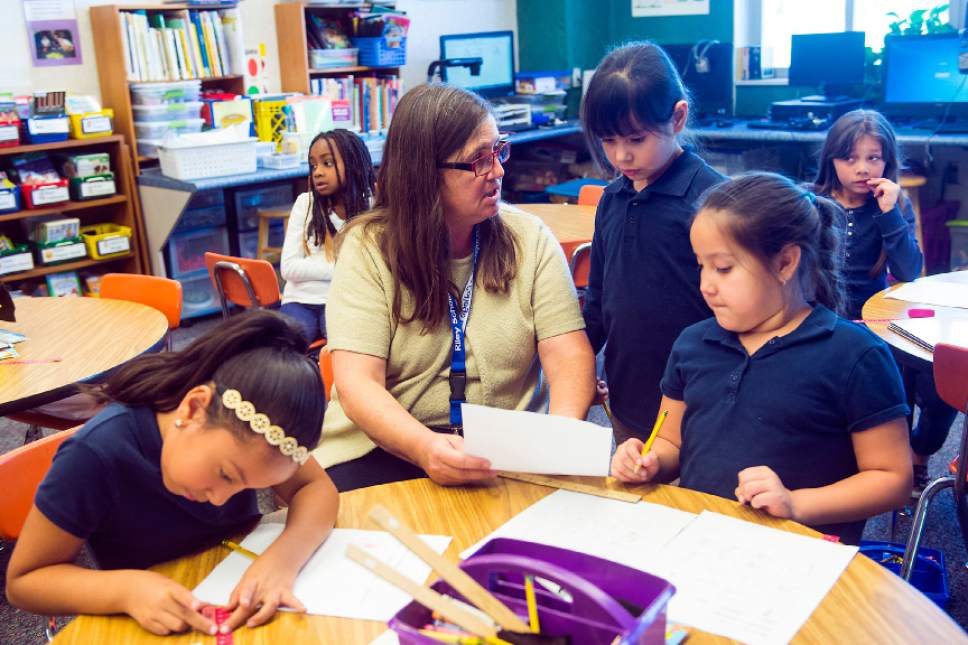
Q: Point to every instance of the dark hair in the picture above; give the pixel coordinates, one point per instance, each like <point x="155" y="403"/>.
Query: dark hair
<point x="431" y="123"/>
<point x="840" y="141"/>
<point x="635" y="87"/>
<point x="766" y="212"/>
<point x="355" y="190"/>
<point x="259" y="353"/>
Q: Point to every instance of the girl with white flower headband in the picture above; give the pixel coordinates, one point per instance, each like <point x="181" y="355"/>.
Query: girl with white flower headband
<point x="171" y="467"/>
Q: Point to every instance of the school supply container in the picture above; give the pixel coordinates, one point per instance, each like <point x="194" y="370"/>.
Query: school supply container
<point x="204" y="217"/>
<point x="93" y="187"/>
<point x="167" y="111"/>
<point x="161" y="93"/>
<point x="47" y="129"/>
<point x="281" y="161"/>
<point x="270" y="121"/>
<point x="186" y="251"/>
<point x="958" y="229"/>
<point x="17" y="259"/>
<point x="9" y="127"/>
<point x="198" y="297"/>
<point x="598" y="600"/>
<point x="223" y="110"/>
<point x="326" y="58"/>
<point x="62" y="251"/>
<point x="158" y="129"/>
<point x="928" y="576"/>
<point x="92" y="124"/>
<point x="378" y="52"/>
<point x="9" y="198"/>
<point x="249" y="201"/>
<point x="106" y="240"/>
<point x="41" y="195"/>
<point x="210" y="160"/>
<point x="86" y="165"/>
<point x="55" y="230"/>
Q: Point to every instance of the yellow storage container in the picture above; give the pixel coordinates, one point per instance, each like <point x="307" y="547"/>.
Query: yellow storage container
<point x="106" y="240"/>
<point x="92" y="124"/>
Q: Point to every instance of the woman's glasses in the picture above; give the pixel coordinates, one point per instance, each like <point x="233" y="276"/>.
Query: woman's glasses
<point x="483" y="164"/>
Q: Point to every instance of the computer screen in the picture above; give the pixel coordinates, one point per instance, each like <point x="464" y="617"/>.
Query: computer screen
<point x="921" y="75"/>
<point x="710" y="84"/>
<point x="827" y="59"/>
<point x="496" y="48"/>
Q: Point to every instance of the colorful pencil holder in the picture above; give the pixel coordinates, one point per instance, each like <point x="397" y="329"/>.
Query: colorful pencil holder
<point x="594" y="601"/>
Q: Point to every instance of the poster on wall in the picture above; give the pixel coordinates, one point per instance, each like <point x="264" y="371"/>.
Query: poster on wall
<point x="653" y="8"/>
<point x="52" y="32"/>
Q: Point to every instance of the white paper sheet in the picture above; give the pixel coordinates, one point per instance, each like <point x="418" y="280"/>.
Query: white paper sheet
<point x="748" y="582"/>
<point x="630" y="534"/>
<point x="389" y="637"/>
<point x="331" y="584"/>
<point x="943" y="293"/>
<point x="536" y="443"/>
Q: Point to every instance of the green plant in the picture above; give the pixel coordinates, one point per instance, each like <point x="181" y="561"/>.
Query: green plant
<point x="922" y="21"/>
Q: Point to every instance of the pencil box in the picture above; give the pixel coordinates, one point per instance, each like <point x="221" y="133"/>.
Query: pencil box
<point x="591" y="600"/>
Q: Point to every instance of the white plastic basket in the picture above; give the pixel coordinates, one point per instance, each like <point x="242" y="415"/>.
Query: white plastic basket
<point x="212" y="160"/>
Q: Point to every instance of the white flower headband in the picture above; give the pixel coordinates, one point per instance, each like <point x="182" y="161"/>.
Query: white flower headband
<point x="261" y="424"/>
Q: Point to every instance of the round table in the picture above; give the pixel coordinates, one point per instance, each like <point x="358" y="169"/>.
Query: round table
<point x="867" y="604"/>
<point x="90" y="336"/>
<point x="880" y="307"/>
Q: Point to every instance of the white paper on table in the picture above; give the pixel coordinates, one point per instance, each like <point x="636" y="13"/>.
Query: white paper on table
<point x="330" y="584"/>
<point x="953" y="293"/>
<point x="746" y="581"/>
<point x="529" y="442"/>
<point x="389" y="637"/>
<point x="630" y="534"/>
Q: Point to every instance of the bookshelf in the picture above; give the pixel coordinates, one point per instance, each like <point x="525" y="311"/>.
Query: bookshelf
<point x="107" y="23"/>
<point x="294" y="67"/>
<point x="122" y="208"/>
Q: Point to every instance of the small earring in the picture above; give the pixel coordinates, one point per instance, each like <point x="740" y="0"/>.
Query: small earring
<point x="178" y="423"/>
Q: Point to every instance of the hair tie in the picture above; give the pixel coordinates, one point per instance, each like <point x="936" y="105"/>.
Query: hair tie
<point x="811" y="197"/>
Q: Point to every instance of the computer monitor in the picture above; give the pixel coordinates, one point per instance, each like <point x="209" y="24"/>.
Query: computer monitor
<point x="709" y="81"/>
<point x="833" y="61"/>
<point x="495" y="48"/>
<point x="921" y="77"/>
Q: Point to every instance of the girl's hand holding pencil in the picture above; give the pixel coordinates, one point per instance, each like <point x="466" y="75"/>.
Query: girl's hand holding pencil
<point x="629" y="466"/>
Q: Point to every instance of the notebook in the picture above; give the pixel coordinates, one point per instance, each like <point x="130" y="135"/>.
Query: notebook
<point x="928" y="332"/>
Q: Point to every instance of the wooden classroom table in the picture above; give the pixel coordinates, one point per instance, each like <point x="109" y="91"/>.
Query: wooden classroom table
<point x="89" y="335"/>
<point x="572" y="225"/>
<point x="868" y="604"/>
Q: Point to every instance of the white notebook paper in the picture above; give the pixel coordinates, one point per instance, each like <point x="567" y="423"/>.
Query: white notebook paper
<point x="928" y="332"/>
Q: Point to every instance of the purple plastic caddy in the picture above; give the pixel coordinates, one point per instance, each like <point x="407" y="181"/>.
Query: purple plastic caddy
<point x="597" y="607"/>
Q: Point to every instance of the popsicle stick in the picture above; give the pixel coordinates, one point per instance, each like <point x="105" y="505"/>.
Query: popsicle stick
<point x="427" y="597"/>
<point x="543" y="480"/>
<point x="450" y="572"/>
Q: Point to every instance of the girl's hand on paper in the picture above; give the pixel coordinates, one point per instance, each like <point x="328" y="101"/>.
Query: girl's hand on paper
<point x="444" y="461"/>
<point x="628" y="456"/>
<point x="266" y="586"/>
<point x="885" y="192"/>
<point x="162" y="606"/>
<point x="761" y="488"/>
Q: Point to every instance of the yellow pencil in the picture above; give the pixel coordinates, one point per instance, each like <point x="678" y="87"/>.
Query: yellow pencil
<point x="238" y="548"/>
<point x="532" y="604"/>
<point x="655" y="433"/>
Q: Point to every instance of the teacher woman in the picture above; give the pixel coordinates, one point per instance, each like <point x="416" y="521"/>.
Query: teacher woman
<point x="441" y="296"/>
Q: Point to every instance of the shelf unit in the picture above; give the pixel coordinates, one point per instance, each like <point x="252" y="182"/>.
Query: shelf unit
<point x="294" y="67"/>
<point x="122" y="208"/>
<point x="106" y="24"/>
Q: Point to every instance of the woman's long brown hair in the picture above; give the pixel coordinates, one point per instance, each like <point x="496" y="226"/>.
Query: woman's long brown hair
<point x="430" y="124"/>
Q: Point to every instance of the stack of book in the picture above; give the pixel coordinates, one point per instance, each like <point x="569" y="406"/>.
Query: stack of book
<point x="371" y="100"/>
<point x="177" y="45"/>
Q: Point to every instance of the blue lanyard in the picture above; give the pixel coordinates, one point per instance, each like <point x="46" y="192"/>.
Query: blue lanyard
<point x="458" y="359"/>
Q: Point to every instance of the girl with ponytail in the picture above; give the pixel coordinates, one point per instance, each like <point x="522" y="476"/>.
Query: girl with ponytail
<point x="776" y="401"/>
<point x="170" y="467"/>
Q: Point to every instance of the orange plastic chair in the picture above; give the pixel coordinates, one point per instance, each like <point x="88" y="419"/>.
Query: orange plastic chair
<point x="580" y="263"/>
<point x="590" y="195"/>
<point x="22" y="470"/>
<point x="326" y="371"/>
<point x="951" y="381"/>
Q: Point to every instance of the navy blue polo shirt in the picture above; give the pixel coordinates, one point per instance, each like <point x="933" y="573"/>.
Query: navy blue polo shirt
<point x="865" y="232"/>
<point x="105" y="486"/>
<point x="643" y="284"/>
<point x="791" y="406"/>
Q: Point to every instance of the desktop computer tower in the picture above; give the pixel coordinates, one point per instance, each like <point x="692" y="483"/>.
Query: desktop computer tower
<point x="826" y="110"/>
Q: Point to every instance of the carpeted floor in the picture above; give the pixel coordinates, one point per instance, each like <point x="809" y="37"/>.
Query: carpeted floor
<point x="20" y="628"/>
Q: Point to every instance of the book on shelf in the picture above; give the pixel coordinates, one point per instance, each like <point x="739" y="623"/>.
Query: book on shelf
<point x="170" y="45"/>
<point x="926" y="333"/>
<point x="754" y="63"/>
<point x="370" y="101"/>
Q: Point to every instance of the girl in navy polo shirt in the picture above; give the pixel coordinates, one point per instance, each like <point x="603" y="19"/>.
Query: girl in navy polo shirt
<point x="642" y="286"/>
<point x="858" y="168"/>
<point x="170" y="468"/>
<point x="777" y="402"/>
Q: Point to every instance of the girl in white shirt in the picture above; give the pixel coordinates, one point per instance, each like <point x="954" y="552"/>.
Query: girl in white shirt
<point x="341" y="182"/>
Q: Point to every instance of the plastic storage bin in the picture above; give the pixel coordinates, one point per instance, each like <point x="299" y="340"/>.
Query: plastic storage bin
<point x="928" y="576"/>
<point x="46" y="129"/>
<point x="377" y="52"/>
<point x="958" y="228"/>
<point x="62" y="251"/>
<point x="249" y="240"/>
<point x="160" y="93"/>
<point x="41" y="195"/>
<point x="158" y="129"/>
<point x="328" y="58"/>
<point x="204" y="198"/>
<point x="198" y="297"/>
<point x="249" y="201"/>
<point x="106" y="240"/>
<point x="186" y="251"/>
<point x="17" y="259"/>
<point x="593" y="614"/>
<point x="9" y="199"/>
<point x="92" y="124"/>
<point x="213" y="160"/>
<point x="167" y="111"/>
<point x="204" y="217"/>
<point x="92" y="187"/>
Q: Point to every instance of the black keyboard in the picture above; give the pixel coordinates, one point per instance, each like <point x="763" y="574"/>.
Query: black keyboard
<point x="792" y="124"/>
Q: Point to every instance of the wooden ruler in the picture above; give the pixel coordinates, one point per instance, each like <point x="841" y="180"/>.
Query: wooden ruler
<point x="544" y="480"/>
